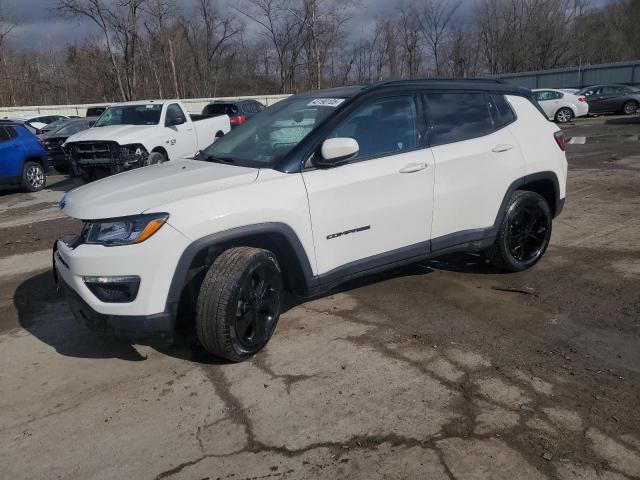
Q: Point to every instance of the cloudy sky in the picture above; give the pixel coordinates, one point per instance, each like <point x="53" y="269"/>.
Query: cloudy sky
<point x="39" y="26"/>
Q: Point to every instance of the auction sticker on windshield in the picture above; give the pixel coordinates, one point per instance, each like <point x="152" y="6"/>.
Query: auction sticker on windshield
<point x="325" y="102"/>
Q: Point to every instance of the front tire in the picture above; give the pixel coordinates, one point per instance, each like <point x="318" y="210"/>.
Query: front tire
<point x="33" y="177"/>
<point x="564" y="115"/>
<point x="523" y="236"/>
<point x="239" y="303"/>
<point x="156" y="158"/>
<point x="630" y="108"/>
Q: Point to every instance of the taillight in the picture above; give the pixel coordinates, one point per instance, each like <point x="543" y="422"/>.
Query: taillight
<point x="561" y="140"/>
<point x="238" y="119"/>
<point x="582" y="99"/>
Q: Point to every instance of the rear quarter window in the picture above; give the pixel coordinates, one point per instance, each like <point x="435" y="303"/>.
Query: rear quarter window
<point x="501" y="111"/>
<point x="454" y="117"/>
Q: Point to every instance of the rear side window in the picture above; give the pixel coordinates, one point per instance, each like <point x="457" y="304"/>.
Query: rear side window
<point x="221" y="109"/>
<point x="455" y="117"/>
<point x="501" y="111"/>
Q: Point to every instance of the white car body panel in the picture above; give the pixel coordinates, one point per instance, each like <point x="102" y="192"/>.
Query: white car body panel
<point x="568" y="100"/>
<point x="471" y="180"/>
<point x="539" y="155"/>
<point x="394" y="208"/>
<point x="179" y="141"/>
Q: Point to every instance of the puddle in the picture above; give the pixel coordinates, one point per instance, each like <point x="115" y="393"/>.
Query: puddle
<point x="631" y="138"/>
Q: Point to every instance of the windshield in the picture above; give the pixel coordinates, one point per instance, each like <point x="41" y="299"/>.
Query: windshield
<point x="131" y="115"/>
<point x="71" y="128"/>
<point x="271" y="134"/>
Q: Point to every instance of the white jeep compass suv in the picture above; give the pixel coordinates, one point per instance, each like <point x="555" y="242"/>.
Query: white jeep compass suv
<point x="317" y="189"/>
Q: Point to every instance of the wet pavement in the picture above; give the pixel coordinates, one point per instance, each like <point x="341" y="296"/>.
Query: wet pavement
<point x="446" y="369"/>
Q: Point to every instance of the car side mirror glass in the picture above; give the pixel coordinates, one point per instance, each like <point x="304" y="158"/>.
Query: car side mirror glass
<point x="336" y="151"/>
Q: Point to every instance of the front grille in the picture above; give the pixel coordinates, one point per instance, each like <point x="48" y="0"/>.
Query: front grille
<point x="94" y="152"/>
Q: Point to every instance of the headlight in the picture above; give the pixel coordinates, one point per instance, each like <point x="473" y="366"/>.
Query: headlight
<point x="133" y="149"/>
<point x="124" y="231"/>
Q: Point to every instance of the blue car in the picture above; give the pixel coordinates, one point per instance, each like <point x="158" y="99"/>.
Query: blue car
<point x="23" y="160"/>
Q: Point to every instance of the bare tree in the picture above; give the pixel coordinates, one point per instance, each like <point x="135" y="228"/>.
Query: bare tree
<point x="435" y="18"/>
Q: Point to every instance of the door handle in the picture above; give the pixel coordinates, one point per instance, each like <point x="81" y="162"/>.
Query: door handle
<point x="501" y="148"/>
<point x="413" y="167"/>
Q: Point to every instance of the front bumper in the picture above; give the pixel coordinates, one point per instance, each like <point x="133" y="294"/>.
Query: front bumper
<point x="150" y="313"/>
<point x="160" y="325"/>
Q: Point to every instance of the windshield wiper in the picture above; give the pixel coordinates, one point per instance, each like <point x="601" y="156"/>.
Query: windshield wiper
<point x="212" y="158"/>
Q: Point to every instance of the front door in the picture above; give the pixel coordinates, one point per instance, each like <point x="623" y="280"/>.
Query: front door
<point x="182" y="141"/>
<point x="377" y="208"/>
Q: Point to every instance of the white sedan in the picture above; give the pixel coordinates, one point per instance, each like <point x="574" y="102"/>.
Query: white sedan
<point x="561" y="106"/>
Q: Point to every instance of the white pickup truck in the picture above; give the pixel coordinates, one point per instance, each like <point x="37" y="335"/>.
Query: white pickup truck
<point x="136" y="134"/>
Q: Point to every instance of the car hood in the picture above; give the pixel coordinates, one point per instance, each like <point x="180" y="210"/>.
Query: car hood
<point x="123" y="134"/>
<point x="136" y="191"/>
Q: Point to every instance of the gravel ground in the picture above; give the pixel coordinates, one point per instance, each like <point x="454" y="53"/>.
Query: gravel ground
<point x="446" y="369"/>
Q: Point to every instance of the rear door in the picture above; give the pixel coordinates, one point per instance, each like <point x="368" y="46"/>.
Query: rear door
<point x="596" y="99"/>
<point x="181" y="139"/>
<point x="476" y="160"/>
<point x="377" y="208"/>
<point x="11" y="152"/>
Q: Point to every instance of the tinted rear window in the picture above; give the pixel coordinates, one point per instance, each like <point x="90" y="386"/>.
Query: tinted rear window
<point x="220" y="109"/>
<point x="458" y="116"/>
<point x="501" y="111"/>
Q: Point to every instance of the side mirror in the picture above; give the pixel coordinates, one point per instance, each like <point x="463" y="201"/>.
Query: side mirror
<point x="337" y="151"/>
<point x="176" y="121"/>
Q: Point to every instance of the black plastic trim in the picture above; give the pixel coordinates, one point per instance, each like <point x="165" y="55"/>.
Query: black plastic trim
<point x="160" y="325"/>
<point x="181" y="275"/>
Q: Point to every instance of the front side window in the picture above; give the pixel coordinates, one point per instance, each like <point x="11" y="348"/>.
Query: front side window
<point x="383" y="127"/>
<point x="174" y="112"/>
<point x="131" y="115"/>
<point x="458" y="116"/>
<point x="270" y="136"/>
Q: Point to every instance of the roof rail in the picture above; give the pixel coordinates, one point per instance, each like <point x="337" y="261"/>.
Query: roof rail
<point x="442" y="79"/>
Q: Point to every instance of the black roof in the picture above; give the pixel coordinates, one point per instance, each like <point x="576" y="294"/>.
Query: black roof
<point x="481" y="84"/>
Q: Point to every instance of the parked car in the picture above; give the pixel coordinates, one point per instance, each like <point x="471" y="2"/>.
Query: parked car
<point x="612" y="99"/>
<point x="38" y="122"/>
<point x="561" y="106"/>
<point x="55" y="125"/>
<point x="95" y="111"/>
<point x="8" y="121"/>
<point x="23" y="160"/>
<point x="366" y="181"/>
<point x="137" y="134"/>
<point x="54" y="140"/>
<point x="239" y="111"/>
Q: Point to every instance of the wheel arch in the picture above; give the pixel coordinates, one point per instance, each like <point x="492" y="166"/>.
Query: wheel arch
<point x="543" y="183"/>
<point x="278" y="238"/>
<point x="161" y="150"/>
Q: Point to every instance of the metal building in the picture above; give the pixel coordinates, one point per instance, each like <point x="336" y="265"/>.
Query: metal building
<point x="627" y="73"/>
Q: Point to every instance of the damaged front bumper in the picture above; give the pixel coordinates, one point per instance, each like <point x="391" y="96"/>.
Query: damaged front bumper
<point x="90" y="159"/>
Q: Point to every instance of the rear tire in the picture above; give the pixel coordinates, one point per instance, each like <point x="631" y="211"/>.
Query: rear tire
<point x="564" y="115"/>
<point x="630" y="107"/>
<point x="33" y="177"/>
<point x="523" y="235"/>
<point x="239" y="303"/>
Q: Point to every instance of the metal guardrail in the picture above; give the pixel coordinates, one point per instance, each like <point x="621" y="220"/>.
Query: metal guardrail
<point x="192" y="104"/>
